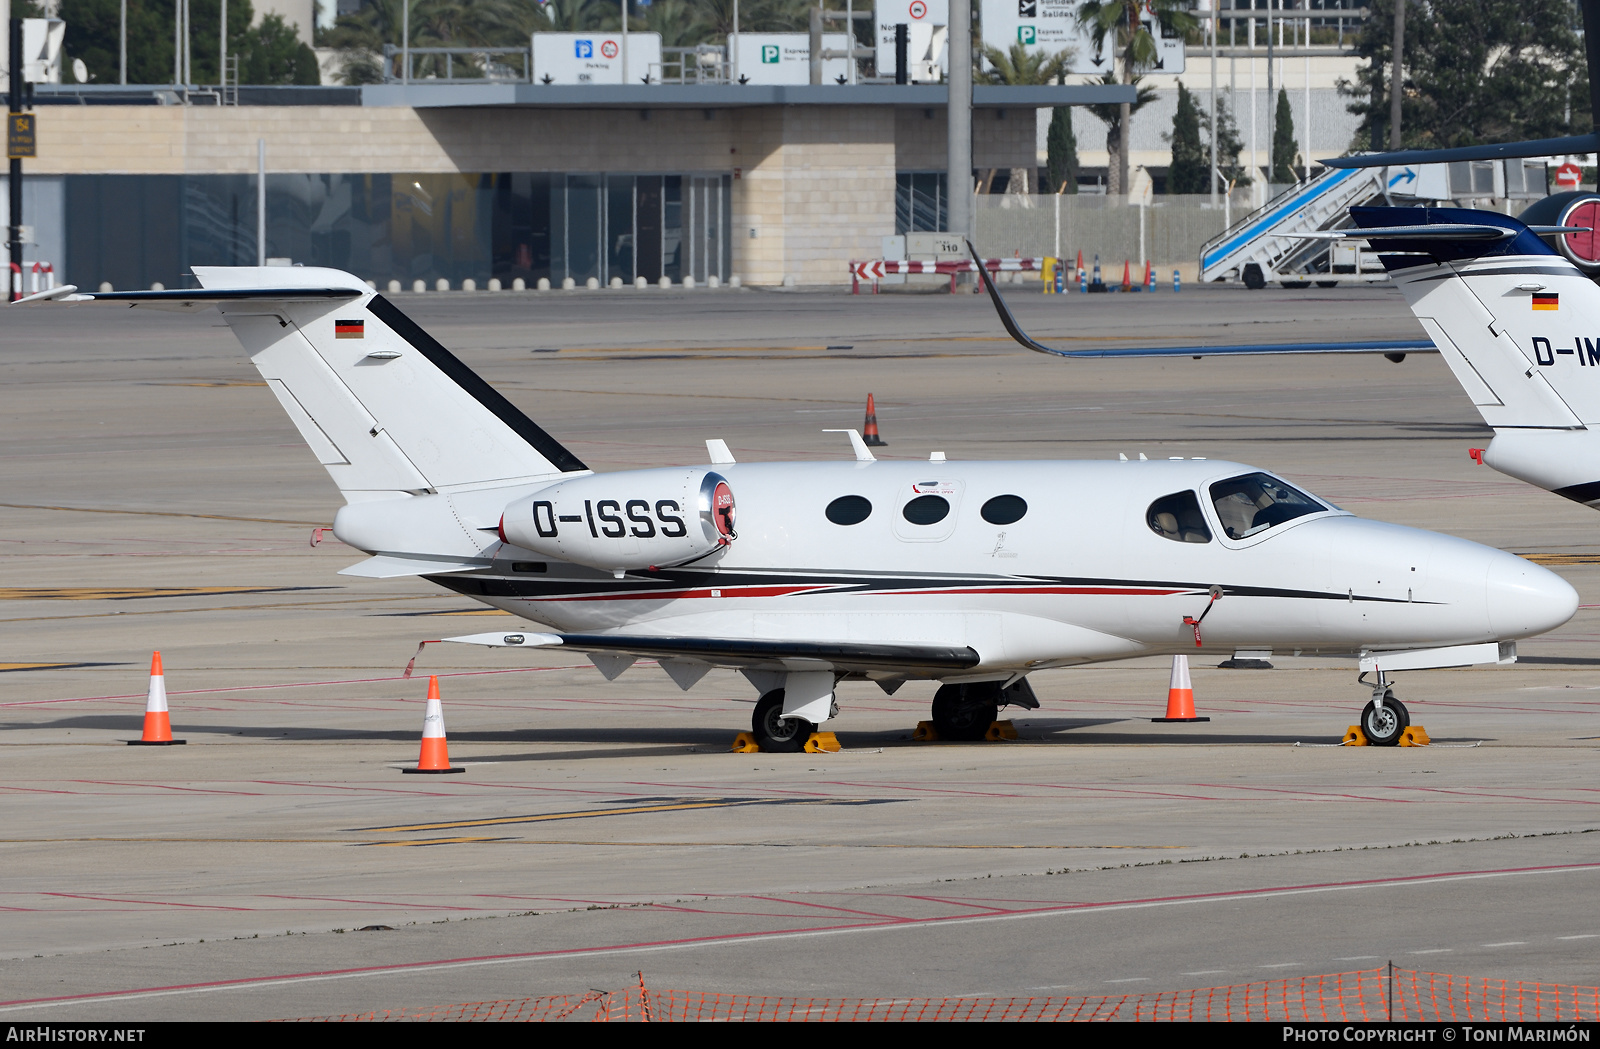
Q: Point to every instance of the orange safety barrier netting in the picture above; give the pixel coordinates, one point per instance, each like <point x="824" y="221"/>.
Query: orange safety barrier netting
<point x="1365" y="996"/>
<point x="1438" y="997"/>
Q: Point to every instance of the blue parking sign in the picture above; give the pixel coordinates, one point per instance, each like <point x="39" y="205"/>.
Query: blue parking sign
<point x="584" y="48"/>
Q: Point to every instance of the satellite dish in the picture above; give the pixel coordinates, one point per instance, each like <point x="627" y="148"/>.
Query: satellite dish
<point x="80" y="72"/>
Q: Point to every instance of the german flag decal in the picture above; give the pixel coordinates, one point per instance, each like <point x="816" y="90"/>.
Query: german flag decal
<point x="355" y="329"/>
<point x="1542" y="300"/>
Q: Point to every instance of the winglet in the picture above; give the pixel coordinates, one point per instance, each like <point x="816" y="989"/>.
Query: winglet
<point x="1006" y="318"/>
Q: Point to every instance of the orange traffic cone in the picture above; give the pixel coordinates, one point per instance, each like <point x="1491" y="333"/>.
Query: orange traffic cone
<point x="1127" y="278"/>
<point x="1149" y="277"/>
<point x="157" y="723"/>
<point x="869" y="430"/>
<point x="435" y="756"/>
<point x="1180" y="694"/>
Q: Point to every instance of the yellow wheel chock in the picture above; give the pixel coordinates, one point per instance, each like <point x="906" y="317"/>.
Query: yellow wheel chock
<point x="823" y="743"/>
<point x="745" y="743"/>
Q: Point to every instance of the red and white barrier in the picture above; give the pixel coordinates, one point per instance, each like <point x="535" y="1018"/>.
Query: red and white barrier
<point x="876" y="269"/>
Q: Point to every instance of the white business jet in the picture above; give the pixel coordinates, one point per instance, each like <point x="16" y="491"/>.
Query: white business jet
<point x="972" y="574"/>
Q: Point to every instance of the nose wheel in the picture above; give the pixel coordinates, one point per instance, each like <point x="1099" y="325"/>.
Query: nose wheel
<point x="1384" y="718"/>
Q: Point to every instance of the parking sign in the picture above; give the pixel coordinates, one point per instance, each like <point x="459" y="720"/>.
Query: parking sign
<point x="583" y="48"/>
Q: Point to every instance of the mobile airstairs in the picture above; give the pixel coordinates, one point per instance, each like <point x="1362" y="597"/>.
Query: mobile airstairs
<point x="1261" y="247"/>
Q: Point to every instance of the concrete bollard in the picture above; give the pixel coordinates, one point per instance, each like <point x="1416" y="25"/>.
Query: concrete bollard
<point x="419" y="286"/>
<point x="640" y="282"/>
<point x="519" y="285"/>
<point x="442" y="284"/>
<point x="616" y="282"/>
<point x="713" y="281"/>
<point x="469" y="285"/>
<point x="567" y="284"/>
<point x="394" y="287"/>
<point x="688" y="282"/>
<point x="372" y="284"/>
<point x="543" y="285"/>
<point x="158" y="286"/>
<point x="105" y="285"/>
<point x="788" y="280"/>
<point x="733" y="281"/>
<point x="494" y="283"/>
<point x="666" y="281"/>
<point x="593" y="283"/>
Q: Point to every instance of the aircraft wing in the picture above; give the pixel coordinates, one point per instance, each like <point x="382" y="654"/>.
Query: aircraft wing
<point x="1393" y="348"/>
<point x="744" y="652"/>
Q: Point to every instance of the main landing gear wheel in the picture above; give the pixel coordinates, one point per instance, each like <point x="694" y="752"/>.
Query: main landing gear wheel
<point x="965" y="712"/>
<point x="1383" y="729"/>
<point x="777" y="734"/>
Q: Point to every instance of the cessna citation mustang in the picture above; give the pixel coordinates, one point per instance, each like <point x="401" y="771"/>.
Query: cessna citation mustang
<point x="799" y="575"/>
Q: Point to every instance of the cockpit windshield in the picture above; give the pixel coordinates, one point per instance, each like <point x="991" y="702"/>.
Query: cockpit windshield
<point x="1253" y="503"/>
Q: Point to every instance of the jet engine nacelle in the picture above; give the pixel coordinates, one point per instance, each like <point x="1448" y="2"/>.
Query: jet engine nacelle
<point x="617" y="521"/>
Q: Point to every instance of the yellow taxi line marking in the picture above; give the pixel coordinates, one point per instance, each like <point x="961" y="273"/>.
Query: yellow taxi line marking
<point x="91" y="593"/>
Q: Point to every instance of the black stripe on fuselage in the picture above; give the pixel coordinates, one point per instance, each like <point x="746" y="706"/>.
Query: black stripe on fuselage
<point x="639" y="585"/>
<point x="474" y="385"/>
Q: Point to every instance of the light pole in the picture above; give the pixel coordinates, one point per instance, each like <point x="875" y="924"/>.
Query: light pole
<point x="958" y="164"/>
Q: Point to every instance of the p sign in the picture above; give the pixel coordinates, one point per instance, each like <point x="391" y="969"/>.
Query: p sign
<point x="770" y="54"/>
<point x="1027" y="35"/>
<point x="583" y="48"/>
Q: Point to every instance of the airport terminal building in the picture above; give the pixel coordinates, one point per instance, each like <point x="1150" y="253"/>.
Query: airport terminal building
<point x="771" y="184"/>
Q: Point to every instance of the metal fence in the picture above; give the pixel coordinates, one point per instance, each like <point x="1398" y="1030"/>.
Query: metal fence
<point x="1168" y="231"/>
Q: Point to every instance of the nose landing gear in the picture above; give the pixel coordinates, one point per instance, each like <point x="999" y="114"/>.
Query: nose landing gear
<point x="1384" y="719"/>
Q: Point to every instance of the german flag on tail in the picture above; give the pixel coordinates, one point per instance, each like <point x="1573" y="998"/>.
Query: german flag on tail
<point x="1542" y="300"/>
<point x="355" y="329"/>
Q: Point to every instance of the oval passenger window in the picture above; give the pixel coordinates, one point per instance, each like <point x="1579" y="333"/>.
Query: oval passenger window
<point x="849" y="510"/>
<point x="926" y="510"/>
<point x="1004" y="509"/>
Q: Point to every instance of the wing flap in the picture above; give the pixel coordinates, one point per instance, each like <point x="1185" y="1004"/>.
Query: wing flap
<point x="743" y="652"/>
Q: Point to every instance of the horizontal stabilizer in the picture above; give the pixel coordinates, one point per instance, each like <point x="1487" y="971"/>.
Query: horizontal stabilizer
<point x="1540" y="147"/>
<point x="183" y="299"/>
<point x="740" y="652"/>
<point x="391" y="566"/>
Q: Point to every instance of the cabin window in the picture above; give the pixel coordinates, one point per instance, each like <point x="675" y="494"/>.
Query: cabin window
<point x="1178" y="517"/>
<point x="927" y="509"/>
<point x="1251" y="504"/>
<point x="1004" y="509"/>
<point x="849" y="510"/>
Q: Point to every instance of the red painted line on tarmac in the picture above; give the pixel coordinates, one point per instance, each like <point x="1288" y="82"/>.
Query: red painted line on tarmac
<point x="784" y="934"/>
<point x="165" y="786"/>
<point x="146" y="903"/>
<point x="826" y="907"/>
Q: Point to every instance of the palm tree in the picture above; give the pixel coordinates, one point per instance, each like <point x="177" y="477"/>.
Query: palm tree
<point x="1022" y="66"/>
<point x="1135" y="50"/>
<point x="1115" y="116"/>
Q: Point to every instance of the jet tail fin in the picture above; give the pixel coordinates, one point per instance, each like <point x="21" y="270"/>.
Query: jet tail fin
<point x="384" y="406"/>
<point x="1508" y="313"/>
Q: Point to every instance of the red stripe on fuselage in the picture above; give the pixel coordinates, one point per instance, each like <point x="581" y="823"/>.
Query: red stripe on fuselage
<point x="726" y="592"/>
<point x="722" y="593"/>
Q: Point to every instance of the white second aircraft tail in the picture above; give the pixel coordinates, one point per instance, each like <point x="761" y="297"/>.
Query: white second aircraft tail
<point x="1519" y="327"/>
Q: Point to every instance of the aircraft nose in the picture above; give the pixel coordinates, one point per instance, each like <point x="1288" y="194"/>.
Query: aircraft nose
<point x="1525" y="599"/>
